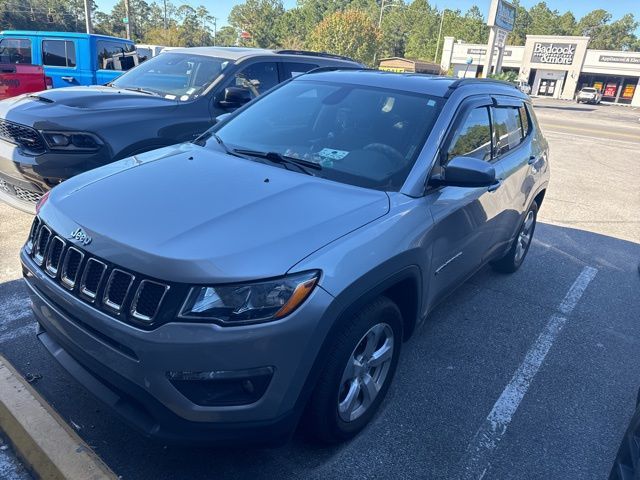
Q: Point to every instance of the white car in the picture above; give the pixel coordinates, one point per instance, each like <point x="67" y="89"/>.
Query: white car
<point x="589" y="95"/>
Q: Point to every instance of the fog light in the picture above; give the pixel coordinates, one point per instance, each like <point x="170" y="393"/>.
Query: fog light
<point x="222" y="388"/>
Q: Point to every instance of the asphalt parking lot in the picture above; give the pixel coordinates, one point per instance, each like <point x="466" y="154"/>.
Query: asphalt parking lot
<point x="527" y="376"/>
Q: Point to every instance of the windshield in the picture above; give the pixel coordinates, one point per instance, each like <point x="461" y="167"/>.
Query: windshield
<point x="360" y="135"/>
<point x="181" y="76"/>
<point x="589" y="90"/>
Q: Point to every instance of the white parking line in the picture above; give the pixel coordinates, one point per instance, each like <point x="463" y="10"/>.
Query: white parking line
<point x="476" y="460"/>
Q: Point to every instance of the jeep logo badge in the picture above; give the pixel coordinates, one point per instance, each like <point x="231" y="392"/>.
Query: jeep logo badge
<point x="79" y="235"/>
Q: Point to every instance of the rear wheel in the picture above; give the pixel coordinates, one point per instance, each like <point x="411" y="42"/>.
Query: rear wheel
<point x="520" y="247"/>
<point x="357" y="373"/>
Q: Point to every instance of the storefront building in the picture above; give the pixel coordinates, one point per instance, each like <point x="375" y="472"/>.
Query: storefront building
<point x="555" y="66"/>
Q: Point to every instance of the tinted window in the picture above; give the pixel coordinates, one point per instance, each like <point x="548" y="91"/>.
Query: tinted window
<point x="15" y="50"/>
<point x="507" y="128"/>
<point x="116" y="56"/>
<point x="359" y="135"/>
<point x="294" y="69"/>
<point x="524" y="119"/>
<point x="58" y="53"/>
<point x="473" y="137"/>
<point x="258" y="78"/>
<point x="174" y="75"/>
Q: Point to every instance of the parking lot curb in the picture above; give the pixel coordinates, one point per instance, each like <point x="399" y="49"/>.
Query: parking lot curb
<point x="47" y="445"/>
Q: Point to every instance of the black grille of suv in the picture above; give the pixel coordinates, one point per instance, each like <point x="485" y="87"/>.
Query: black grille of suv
<point x="22" y="135"/>
<point x="117" y="292"/>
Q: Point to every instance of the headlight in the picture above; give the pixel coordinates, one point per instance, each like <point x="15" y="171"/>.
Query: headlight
<point x="254" y="302"/>
<point x="82" y="141"/>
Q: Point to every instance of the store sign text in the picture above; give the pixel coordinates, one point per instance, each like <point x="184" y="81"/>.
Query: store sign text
<point x="554" y="53"/>
<point x="618" y="59"/>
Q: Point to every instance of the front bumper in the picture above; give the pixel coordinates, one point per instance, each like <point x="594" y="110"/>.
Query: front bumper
<point x="25" y="178"/>
<point x="127" y="367"/>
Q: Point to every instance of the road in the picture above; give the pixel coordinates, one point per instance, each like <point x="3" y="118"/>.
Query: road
<point x="544" y="363"/>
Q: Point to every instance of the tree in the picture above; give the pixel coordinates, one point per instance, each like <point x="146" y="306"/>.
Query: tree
<point x="351" y="33"/>
<point x="227" y="36"/>
<point x="425" y="23"/>
<point x="544" y="21"/>
<point x="258" y="17"/>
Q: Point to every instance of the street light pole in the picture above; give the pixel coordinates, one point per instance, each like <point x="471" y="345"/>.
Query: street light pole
<point x="384" y="4"/>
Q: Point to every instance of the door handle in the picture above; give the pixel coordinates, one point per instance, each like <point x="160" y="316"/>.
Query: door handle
<point x="68" y="79"/>
<point x="532" y="159"/>
<point x="495" y="186"/>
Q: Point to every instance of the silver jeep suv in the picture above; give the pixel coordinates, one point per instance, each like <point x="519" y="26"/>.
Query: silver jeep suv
<point x="222" y="290"/>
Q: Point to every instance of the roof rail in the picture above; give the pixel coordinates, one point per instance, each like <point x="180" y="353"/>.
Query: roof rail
<point x="313" y="54"/>
<point x="333" y="68"/>
<point x="461" y="82"/>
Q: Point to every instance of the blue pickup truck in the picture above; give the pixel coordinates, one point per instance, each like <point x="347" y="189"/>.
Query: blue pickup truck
<point x="70" y="58"/>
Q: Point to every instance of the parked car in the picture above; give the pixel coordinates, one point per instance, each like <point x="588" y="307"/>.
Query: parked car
<point x="589" y="95"/>
<point x="524" y="87"/>
<point x="171" y="98"/>
<point x="16" y="79"/>
<point x="145" y="52"/>
<point x="70" y="59"/>
<point x="217" y="290"/>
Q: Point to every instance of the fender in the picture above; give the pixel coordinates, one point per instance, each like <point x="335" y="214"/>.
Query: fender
<point x="348" y="303"/>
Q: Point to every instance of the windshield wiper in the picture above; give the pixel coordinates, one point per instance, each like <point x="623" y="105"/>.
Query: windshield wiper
<point x="303" y="165"/>
<point x="139" y="90"/>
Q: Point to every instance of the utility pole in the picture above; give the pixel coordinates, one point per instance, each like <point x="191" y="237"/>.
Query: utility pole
<point x="215" y="30"/>
<point x="435" y="55"/>
<point x="128" y="17"/>
<point x="165" y="14"/>
<point x="87" y="16"/>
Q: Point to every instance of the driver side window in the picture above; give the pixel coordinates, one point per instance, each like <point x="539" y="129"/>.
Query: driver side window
<point x="473" y="136"/>
<point x="258" y="78"/>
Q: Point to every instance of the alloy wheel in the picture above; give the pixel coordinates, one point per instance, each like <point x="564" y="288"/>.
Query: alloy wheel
<point x="366" y="372"/>
<point x="525" y="235"/>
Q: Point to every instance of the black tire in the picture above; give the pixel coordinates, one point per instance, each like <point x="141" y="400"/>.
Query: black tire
<point x="514" y="258"/>
<point x="322" y="418"/>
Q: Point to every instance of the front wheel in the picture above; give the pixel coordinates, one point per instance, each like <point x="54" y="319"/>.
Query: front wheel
<point x="357" y="373"/>
<point x="520" y="247"/>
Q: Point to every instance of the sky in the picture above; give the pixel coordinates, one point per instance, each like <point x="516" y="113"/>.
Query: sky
<point x="221" y="8"/>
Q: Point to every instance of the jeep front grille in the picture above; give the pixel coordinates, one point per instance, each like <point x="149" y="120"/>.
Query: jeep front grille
<point x="121" y="294"/>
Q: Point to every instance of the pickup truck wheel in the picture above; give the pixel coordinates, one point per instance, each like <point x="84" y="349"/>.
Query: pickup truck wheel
<point x="357" y="373"/>
<point x="518" y="251"/>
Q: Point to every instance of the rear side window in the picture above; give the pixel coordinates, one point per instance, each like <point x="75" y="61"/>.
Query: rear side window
<point x="524" y="120"/>
<point x="116" y="56"/>
<point x="15" y="50"/>
<point x="473" y="137"/>
<point x="292" y="69"/>
<point x="58" y="53"/>
<point x="508" y="129"/>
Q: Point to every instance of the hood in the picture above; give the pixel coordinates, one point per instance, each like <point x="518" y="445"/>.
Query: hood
<point x="189" y="214"/>
<point x="44" y="109"/>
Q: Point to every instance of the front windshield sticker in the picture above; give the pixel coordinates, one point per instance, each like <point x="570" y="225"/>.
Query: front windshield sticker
<point x="170" y="97"/>
<point x="184" y="98"/>
<point x="190" y="91"/>
<point x="330" y="153"/>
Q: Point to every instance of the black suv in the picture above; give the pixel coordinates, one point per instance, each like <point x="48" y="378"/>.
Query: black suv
<point x="50" y="136"/>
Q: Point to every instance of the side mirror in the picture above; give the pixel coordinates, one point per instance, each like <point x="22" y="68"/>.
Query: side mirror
<point x="235" y="97"/>
<point x="467" y="172"/>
